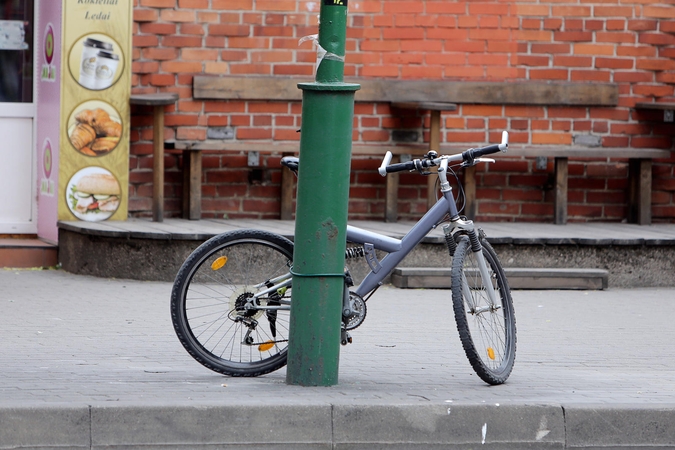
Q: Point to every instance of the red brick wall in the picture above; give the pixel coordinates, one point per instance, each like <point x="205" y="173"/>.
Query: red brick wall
<point x="631" y="43"/>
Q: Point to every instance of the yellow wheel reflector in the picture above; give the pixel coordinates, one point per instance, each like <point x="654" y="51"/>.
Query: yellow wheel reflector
<point x="219" y="263"/>
<point x="265" y="346"/>
<point x="282" y="290"/>
<point x="491" y="352"/>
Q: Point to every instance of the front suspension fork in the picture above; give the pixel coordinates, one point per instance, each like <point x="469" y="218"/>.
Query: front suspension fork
<point x="477" y="249"/>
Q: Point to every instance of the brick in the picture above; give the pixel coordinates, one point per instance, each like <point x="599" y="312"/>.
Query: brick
<point x="293" y="69"/>
<point x="553" y="48"/>
<point x="185" y="133"/>
<point x="614" y="11"/>
<point x="380" y="46"/>
<point x="181" y="41"/>
<point x="571" y="11"/>
<point x="158" y="3"/>
<point x="249" y="42"/>
<point x="572" y="61"/>
<point x="551" y="138"/>
<point x="193" y="4"/>
<point x="590" y="75"/>
<point x="181" y="67"/>
<point x="444" y="7"/>
<point x="169" y="15"/>
<point x="616" y="25"/>
<point x="655" y="64"/>
<point x="653" y="90"/>
<point x="594" y="25"/>
<point x="162" y="79"/>
<point x="642" y="25"/>
<point x="157" y="28"/>
<point x="145" y="15"/>
<point x="656" y="38"/>
<point x="403" y="33"/>
<point x="640" y="50"/>
<point x="623" y="38"/>
<point x="414" y="7"/>
<point x="532" y="10"/>
<point x="573" y="36"/>
<point x="229" y="30"/>
<point x="578" y="24"/>
<point x="390" y="71"/>
<point x="211" y="67"/>
<point x="145" y="67"/>
<point x="549" y="74"/>
<point x="495" y="35"/>
<point x="593" y="49"/>
<point x="659" y="12"/>
<point x="614" y="63"/>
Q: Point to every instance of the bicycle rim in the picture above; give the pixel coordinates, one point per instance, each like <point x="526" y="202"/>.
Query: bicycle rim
<point x="487" y="330"/>
<point x="209" y="303"/>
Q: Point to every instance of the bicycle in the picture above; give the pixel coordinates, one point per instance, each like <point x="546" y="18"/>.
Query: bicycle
<point x="230" y="302"/>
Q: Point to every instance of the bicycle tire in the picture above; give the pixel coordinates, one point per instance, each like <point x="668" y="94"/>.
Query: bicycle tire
<point x="491" y="356"/>
<point x="209" y="295"/>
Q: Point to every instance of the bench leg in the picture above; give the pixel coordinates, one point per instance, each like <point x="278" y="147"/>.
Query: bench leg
<point x="434" y="144"/>
<point x="192" y="185"/>
<point x="391" y="194"/>
<point x="640" y="191"/>
<point x="158" y="164"/>
<point x="287" y="184"/>
<point x="560" y="194"/>
<point x="470" y="192"/>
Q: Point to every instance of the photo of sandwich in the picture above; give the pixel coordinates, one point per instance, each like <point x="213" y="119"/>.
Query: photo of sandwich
<point x="93" y="194"/>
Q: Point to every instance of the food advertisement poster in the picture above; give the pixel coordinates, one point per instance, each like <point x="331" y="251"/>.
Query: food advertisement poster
<point x="48" y="69"/>
<point x="95" y="88"/>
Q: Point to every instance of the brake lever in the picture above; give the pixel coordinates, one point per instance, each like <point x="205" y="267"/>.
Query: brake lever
<point x="476" y="161"/>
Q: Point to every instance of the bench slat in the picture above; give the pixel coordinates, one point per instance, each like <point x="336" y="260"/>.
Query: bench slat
<point x="378" y="90"/>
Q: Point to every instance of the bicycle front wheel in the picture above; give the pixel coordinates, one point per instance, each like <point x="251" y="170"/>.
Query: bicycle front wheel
<point x="487" y="330"/>
<point x="213" y="309"/>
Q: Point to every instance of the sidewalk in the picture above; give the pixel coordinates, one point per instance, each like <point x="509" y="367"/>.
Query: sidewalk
<point x="89" y="362"/>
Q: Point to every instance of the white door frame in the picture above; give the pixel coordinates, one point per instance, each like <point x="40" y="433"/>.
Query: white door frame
<point x="26" y="110"/>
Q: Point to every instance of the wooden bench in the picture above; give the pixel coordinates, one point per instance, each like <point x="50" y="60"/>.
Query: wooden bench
<point x="640" y="183"/>
<point x="428" y="95"/>
<point x="639" y="175"/>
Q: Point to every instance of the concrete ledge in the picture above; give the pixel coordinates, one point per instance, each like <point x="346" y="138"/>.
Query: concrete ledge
<point x="620" y="426"/>
<point x="519" y="278"/>
<point x="340" y="426"/>
<point x="448" y="426"/>
<point x="212" y="427"/>
<point x="45" y="427"/>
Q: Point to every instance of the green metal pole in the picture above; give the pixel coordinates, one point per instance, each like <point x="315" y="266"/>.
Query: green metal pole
<point x="321" y="213"/>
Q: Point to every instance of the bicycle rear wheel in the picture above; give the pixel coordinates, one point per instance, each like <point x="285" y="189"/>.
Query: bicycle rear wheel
<point x="487" y="331"/>
<point x="211" y="303"/>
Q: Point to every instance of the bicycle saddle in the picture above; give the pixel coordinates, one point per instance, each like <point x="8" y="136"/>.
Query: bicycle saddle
<point x="291" y="162"/>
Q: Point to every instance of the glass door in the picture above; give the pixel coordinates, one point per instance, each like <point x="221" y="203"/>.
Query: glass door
<point x="17" y="117"/>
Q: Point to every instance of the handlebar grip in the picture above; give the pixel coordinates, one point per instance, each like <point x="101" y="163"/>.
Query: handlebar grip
<point x="385" y="162"/>
<point x="474" y="153"/>
<point x="400" y="167"/>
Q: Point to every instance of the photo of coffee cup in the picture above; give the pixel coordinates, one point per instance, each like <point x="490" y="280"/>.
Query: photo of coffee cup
<point x="96" y="61"/>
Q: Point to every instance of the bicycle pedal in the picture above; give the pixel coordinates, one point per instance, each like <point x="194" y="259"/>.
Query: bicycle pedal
<point x="346" y="338"/>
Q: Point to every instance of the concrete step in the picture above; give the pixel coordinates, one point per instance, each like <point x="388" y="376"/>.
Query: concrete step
<point x="26" y="253"/>
<point x="518" y="278"/>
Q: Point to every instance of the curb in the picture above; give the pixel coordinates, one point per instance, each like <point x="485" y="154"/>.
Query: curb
<point x="339" y="426"/>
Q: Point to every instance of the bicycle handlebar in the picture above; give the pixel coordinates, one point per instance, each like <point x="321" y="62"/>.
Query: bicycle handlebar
<point x="468" y="157"/>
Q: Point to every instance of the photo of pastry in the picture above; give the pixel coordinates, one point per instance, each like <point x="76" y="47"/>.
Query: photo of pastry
<point x="95" y="128"/>
<point x="93" y="194"/>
